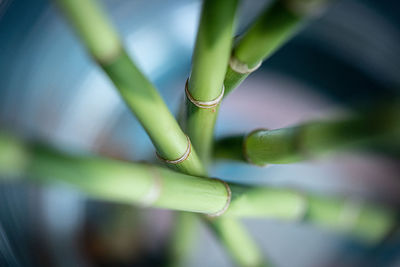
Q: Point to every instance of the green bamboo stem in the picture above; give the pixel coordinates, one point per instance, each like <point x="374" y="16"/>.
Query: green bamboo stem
<point x="237" y="242"/>
<point x="210" y="58"/>
<point x="273" y="28"/>
<point x="124" y="182"/>
<point x="13" y="156"/>
<point x="102" y="41"/>
<point x="209" y="63"/>
<point x="311" y="139"/>
<point x="182" y="238"/>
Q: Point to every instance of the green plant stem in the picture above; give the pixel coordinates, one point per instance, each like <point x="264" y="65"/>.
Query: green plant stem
<point x="311" y="139"/>
<point x="124" y="182"/>
<point x="236" y="240"/>
<point x="183" y="235"/>
<point x="210" y="58"/>
<point x="142" y="98"/>
<point x="209" y="63"/>
<point x="277" y="24"/>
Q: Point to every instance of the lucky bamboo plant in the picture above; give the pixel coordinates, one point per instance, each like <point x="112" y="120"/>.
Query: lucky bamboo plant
<point x="220" y="63"/>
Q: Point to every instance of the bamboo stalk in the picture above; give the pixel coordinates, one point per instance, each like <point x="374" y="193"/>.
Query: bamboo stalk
<point x="182" y="238"/>
<point x="210" y="58"/>
<point x="209" y="63"/>
<point x="124" y="182"/>
<point x="312" y="139"/>
<point x="102" y="41"/>
<point x="142" y="184"/>
<point x="273" y="28"/>
<point x="237" y="242"/>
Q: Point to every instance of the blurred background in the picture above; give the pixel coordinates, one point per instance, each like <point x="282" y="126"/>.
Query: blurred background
<point x="51" y="90"/>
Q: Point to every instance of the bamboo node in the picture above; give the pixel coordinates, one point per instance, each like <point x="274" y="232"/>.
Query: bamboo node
<point x="204" y="104"/>
<point x="228" y="201"/>
<point x="154" y="192"/>
<point x="180" y="159"/>
<point x="313" y="8"/>
<point x="240" y="67"/>
<point x="244" y="148"/>
<point x="303" y="206"/>
<point x="350" y="213"/>
<point x="110" y="57"/>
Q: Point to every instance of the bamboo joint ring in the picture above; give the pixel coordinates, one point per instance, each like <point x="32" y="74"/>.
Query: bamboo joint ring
<point x="204" y="104"/>
<point x="228" y="201"/>
<point x="180" y="159"/>
<point x="240" y="67"/>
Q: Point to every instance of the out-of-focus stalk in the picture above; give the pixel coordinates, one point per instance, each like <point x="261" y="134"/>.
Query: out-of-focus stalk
<point x="311" y="139"/>
<point x="273" y="28"/>
<point x="142" y="184"/>
<point x="237" y="242"/>
<point x="182" y="238"/>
